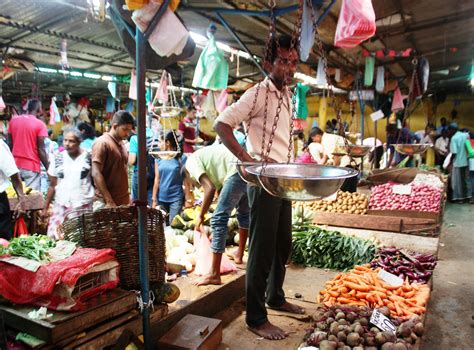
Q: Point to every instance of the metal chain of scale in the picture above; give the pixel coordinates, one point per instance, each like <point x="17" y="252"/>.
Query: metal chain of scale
<point x="294" y="45"/>
<point x="337" y="107"/>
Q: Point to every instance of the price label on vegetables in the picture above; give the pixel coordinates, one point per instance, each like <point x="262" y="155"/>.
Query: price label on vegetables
<point x="390" y="278"/>
<point x="382" y="322"/>
<point x="402" y="189"/>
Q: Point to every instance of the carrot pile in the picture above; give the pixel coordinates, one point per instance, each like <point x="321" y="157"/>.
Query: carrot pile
<point x="361" y="286"/>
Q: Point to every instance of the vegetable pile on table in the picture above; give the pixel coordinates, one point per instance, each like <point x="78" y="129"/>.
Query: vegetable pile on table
<point x="345" y="202"/>
<point x="349" y="327"/>
<point x="317" y="247"/>
<point x="417" y="267"/>
<point x="34" y="247"/>
<point x="424" y="198"/>
<point x="363" y="287"/>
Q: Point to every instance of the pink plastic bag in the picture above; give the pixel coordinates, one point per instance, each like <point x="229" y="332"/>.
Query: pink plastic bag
<point x="356" y="23"/>
<point x="204" y="256"/>
<point x="397" y="102"/>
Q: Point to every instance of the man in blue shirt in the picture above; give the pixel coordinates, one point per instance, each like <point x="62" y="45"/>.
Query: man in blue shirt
<point x="460" y="181"/>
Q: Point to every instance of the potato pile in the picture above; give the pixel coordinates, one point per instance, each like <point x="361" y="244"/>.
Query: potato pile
<point x="346" y="202"/>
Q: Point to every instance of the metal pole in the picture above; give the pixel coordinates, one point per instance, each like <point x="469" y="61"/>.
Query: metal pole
<point x="362" y="112"/>
<point x="140" y="71"/>
<point x="241" y="43"/>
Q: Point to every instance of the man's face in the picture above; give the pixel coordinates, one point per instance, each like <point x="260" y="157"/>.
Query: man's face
<point x="123" y="131"/>
<point x="284" y="67"/>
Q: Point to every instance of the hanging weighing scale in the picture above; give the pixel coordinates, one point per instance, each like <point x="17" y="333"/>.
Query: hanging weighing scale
<point x="165" y="113"/>
<point x="407" y="148"/>
<point x="292" y="181"/>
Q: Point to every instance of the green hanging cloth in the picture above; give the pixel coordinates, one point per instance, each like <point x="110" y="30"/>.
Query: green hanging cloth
<point x="301" y="105"/>
<point x="212" y="69"/>
<point x="369" y="70"/>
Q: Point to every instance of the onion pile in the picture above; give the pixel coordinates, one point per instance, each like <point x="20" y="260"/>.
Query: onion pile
<point x="423" y="198"/>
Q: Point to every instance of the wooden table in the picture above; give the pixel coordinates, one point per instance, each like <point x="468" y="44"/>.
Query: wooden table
<point x="33" y="203"/>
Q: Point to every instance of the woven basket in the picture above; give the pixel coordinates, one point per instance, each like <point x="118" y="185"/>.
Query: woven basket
<point x="117" y="228"/>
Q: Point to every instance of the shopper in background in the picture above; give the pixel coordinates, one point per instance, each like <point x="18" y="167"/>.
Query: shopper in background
<point x="213" y="167"/>
<point x="394" y="136"/>
<point x="109" y="163"/>
<point x="442" y="147"/>
<point x="8" y="171"/>
<point x="314" y="146"/>
<point x="27" y="134"/>
<point x="51" y="147"/>
<point x="168" y="182"/>
<point x="70" y="183"/>
<point x="270" y="224"/>
<point x="88" y="136"/>
<point x="376" y="152"/>
<point x="187" y="130"/>
<point x="460" y="179"/>
<point x="443" y="126"/>
<point x="150" y="162"/>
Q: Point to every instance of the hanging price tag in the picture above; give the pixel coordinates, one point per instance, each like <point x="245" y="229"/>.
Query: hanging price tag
<point x="390" y="278"/>
<point x="382" y="322"/>
<point x="402" y="189"/>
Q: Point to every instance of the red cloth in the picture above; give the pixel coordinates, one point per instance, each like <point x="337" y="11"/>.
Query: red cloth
<point x="25" y="287"/>
<point x="25" y="130"/>
<point x="188" y="133"/>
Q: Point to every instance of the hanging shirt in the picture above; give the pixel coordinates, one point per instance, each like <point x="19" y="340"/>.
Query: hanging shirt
<point x="24" y="131"/>
<point x="301" y="105"/>
<point x="216" y="161"/>
<point x="241" y="112"/>
<point x="74" y="187"/>
<point x="7" y="166"/>
<point x="458" y="147"/>
<point x="171" y="180"/>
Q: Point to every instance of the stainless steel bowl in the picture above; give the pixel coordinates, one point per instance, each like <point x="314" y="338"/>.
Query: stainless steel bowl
<point x="245" y="175"/>
<point x="358" y="150"/>
<point x="301" y="182"/>
<point x="411" y="149"/>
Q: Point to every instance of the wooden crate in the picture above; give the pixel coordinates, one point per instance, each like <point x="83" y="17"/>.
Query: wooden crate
<point x="62" y="324"/>
<point x="417" y="223"/>
<point x="33" y="201"/>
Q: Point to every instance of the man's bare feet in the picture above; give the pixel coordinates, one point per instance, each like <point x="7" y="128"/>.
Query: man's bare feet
<point x="288" y="307"/>
<point x="206" y="280"/>
<point x="237" y="256"/>
<point x="269" y="331"/>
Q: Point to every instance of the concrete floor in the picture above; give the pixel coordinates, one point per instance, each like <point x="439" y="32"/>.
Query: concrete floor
<point x="450" y="323"/>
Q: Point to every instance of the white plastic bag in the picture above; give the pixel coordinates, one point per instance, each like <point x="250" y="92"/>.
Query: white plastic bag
<point x="169" y="37"/>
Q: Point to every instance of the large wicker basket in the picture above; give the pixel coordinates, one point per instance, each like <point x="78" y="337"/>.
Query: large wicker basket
<point x="117" y="228"/>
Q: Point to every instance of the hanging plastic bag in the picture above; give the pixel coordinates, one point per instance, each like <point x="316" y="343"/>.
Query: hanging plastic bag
<point x="320" y="73"/>
<point x="208" y="107"/>
<point x="132" y="90"/>
<point x="202" y="245"/>
<point x="397" y="102"/>
<point x="356" y="23"/>
<point x="308" y="25"/>
<point x="221" y="102"/>
<point x="380" y="80"/>
<point x="301" y="105"/>
<point x="169" y="36"/>
<point x="54" y="116"/>
<point x="369" y="71"/>
<point x="162" y="91"/>
<point x="212" y="69"/>
<point x="20" y="227"/>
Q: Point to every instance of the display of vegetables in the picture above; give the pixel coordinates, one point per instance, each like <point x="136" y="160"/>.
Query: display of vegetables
<point x="363" y="287"/>
<point x="345" y="202"/>
<point x="417" y="267"/>
<point x="317" y="247"/>
<point x="33" y="247"/>
<point x="422" y="198"/>
<point x="349" y="327"/>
